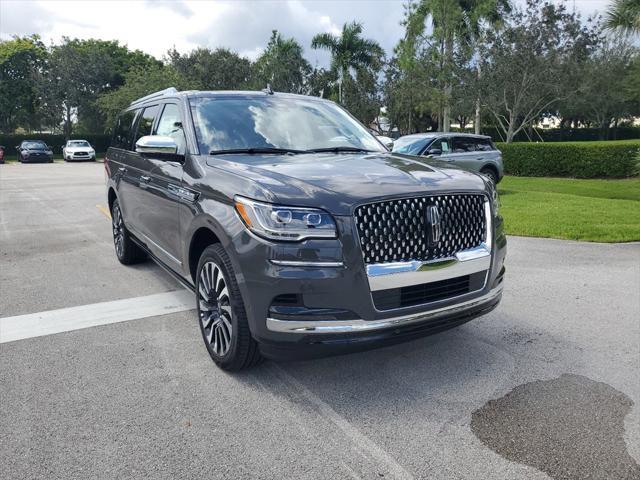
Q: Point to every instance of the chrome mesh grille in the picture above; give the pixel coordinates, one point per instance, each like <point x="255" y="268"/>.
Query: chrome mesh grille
<point x="397" y="231"/>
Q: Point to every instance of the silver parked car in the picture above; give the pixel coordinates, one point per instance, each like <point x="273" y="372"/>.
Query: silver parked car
<point x="471" y="152"/>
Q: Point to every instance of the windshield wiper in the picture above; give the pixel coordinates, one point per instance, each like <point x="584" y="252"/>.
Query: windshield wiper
<point x="339" y="149"/>
<point x="255" y="150"/>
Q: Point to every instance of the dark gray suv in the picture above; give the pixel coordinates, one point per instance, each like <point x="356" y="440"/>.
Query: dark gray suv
<point x="298" y="232"/>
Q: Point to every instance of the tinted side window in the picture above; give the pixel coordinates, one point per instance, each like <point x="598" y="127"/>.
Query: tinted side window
<point x="170" y="125"/>
<point x="464" y="144"/>
<point x="146" y="122"/>
<point x="484" y="144"/>
<point x="442" y="144"/>
<point x="121" y="134"/>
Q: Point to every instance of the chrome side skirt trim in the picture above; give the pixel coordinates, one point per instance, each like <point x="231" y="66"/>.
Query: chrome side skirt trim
<point x="302" y="263"/>
<point x="169" y="256"/>
<point x="359" y="325"/>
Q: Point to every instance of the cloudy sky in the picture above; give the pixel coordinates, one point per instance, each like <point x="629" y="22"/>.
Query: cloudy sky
<point x="154" y="26"/>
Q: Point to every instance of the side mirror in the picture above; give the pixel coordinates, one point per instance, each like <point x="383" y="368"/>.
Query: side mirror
<point x="434" y="152"/>
<point x="156" y="145"/>
<point x="389" y="145"/>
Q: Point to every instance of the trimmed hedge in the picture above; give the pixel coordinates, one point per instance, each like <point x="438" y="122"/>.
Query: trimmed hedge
<point x="564" y="134"/>
<point x="99" y="142"/>
<point x="606" y="159"/>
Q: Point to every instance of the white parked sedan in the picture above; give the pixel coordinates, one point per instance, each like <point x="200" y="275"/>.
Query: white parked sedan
<point x="78" y="150"/>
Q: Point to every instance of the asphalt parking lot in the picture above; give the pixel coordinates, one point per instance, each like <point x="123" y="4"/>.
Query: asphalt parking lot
<point x="546" y="386"/>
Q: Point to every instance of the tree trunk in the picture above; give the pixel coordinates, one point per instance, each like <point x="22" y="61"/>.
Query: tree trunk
<point x="67" y="123"/>
<point x="448" y="87"/>
<point x="476" y="120"/>
<point x="510" y="134"/>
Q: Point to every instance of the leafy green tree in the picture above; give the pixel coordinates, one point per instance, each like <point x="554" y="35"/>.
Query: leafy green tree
<point x="603" y="91"/>
<point x="282" y="65"/>
<point x="410" y="95"/>
<point x="77" y="72"/>
<point x="624" y="15"/>
<point x="632" y="81"/>
<point x="21" y="61"/>
<point x="321" y="83"/>
<point x="138" y="82"/>
<point x="526" y="66"/>
<point x="349" y="51"/>
<point x="219" y="69"/>
<point x="360" y="95"/>
<point x="454" y="26"/>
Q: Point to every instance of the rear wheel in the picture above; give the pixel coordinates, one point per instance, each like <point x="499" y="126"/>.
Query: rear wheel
<point x="221" y="313"/>
<point x="127" y="251"/>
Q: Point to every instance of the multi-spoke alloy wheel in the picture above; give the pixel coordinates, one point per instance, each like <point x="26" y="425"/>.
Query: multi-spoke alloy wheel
<point x="127" y="251"/>
<point x="118" y="230"/>
<point x="215" y="308"/>
<point x="221" y="314"/>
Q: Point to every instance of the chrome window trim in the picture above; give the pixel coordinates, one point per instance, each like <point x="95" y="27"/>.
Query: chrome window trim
<point x="359" y="325"/>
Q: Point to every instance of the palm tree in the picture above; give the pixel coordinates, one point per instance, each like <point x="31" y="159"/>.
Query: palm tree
<point x="624" y="15"/>
<point x="348" y="51"/>
<point x="452" y="21"/>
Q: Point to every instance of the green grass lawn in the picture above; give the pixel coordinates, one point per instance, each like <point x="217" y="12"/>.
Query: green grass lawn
<point x="589" y="210"/>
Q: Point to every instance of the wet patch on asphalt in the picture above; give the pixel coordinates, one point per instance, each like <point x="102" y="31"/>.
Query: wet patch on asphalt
<point x="570" y="427"/>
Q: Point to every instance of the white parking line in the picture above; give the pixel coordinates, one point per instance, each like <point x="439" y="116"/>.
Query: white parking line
<point x="74" y="318"/>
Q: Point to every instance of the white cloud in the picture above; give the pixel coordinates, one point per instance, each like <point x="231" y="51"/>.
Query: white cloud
<point x="155" y="26"/>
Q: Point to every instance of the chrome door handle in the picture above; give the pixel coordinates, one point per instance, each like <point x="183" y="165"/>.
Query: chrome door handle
<point x="122" y="169"/>
<point x="145" y="179"/>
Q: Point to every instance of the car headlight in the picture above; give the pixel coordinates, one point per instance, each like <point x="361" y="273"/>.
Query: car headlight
<point x="279" y="222"/>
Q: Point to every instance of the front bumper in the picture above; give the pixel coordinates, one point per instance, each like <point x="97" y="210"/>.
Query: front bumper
<point x="360" y="325"/>
<point x="40" y="158"/>
<point x="338" y="313"/>
<point x="79" y="158"/>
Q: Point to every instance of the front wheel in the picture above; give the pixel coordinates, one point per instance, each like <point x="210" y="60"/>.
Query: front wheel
<point x="221" y="313"/>
<point x="488" y="172"/>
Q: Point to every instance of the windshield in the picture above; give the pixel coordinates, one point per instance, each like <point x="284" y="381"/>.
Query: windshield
<point x="78" y="143"/>
<point x="34" y="145"/>
<point x="276" y="122"/>
<point x="410" y="145"/>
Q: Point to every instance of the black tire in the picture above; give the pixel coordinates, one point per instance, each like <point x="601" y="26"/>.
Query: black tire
<point x="127" y="251"/>
<point x="489" y="172"/>
<point x="222" y="316"/>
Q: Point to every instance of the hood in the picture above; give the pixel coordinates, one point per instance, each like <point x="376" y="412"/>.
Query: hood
<point x="339" y="182"/>
<point x="37" y="149"/>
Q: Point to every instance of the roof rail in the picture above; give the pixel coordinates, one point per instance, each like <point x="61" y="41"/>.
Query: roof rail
<point x="161" y="93"/>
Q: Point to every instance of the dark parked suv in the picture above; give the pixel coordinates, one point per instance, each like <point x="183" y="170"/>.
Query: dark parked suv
<point x="299" y="233"/>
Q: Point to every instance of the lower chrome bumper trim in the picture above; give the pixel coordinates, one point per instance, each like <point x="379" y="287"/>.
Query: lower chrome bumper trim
<point x="302" y="263"/>
<point x="359" y="325"/>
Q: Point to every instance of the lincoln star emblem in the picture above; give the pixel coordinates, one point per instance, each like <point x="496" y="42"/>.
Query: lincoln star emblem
<point x="434" y="220"/>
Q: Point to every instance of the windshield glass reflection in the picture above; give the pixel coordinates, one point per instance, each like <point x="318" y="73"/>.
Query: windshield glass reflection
<point x="276" y="122"/>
